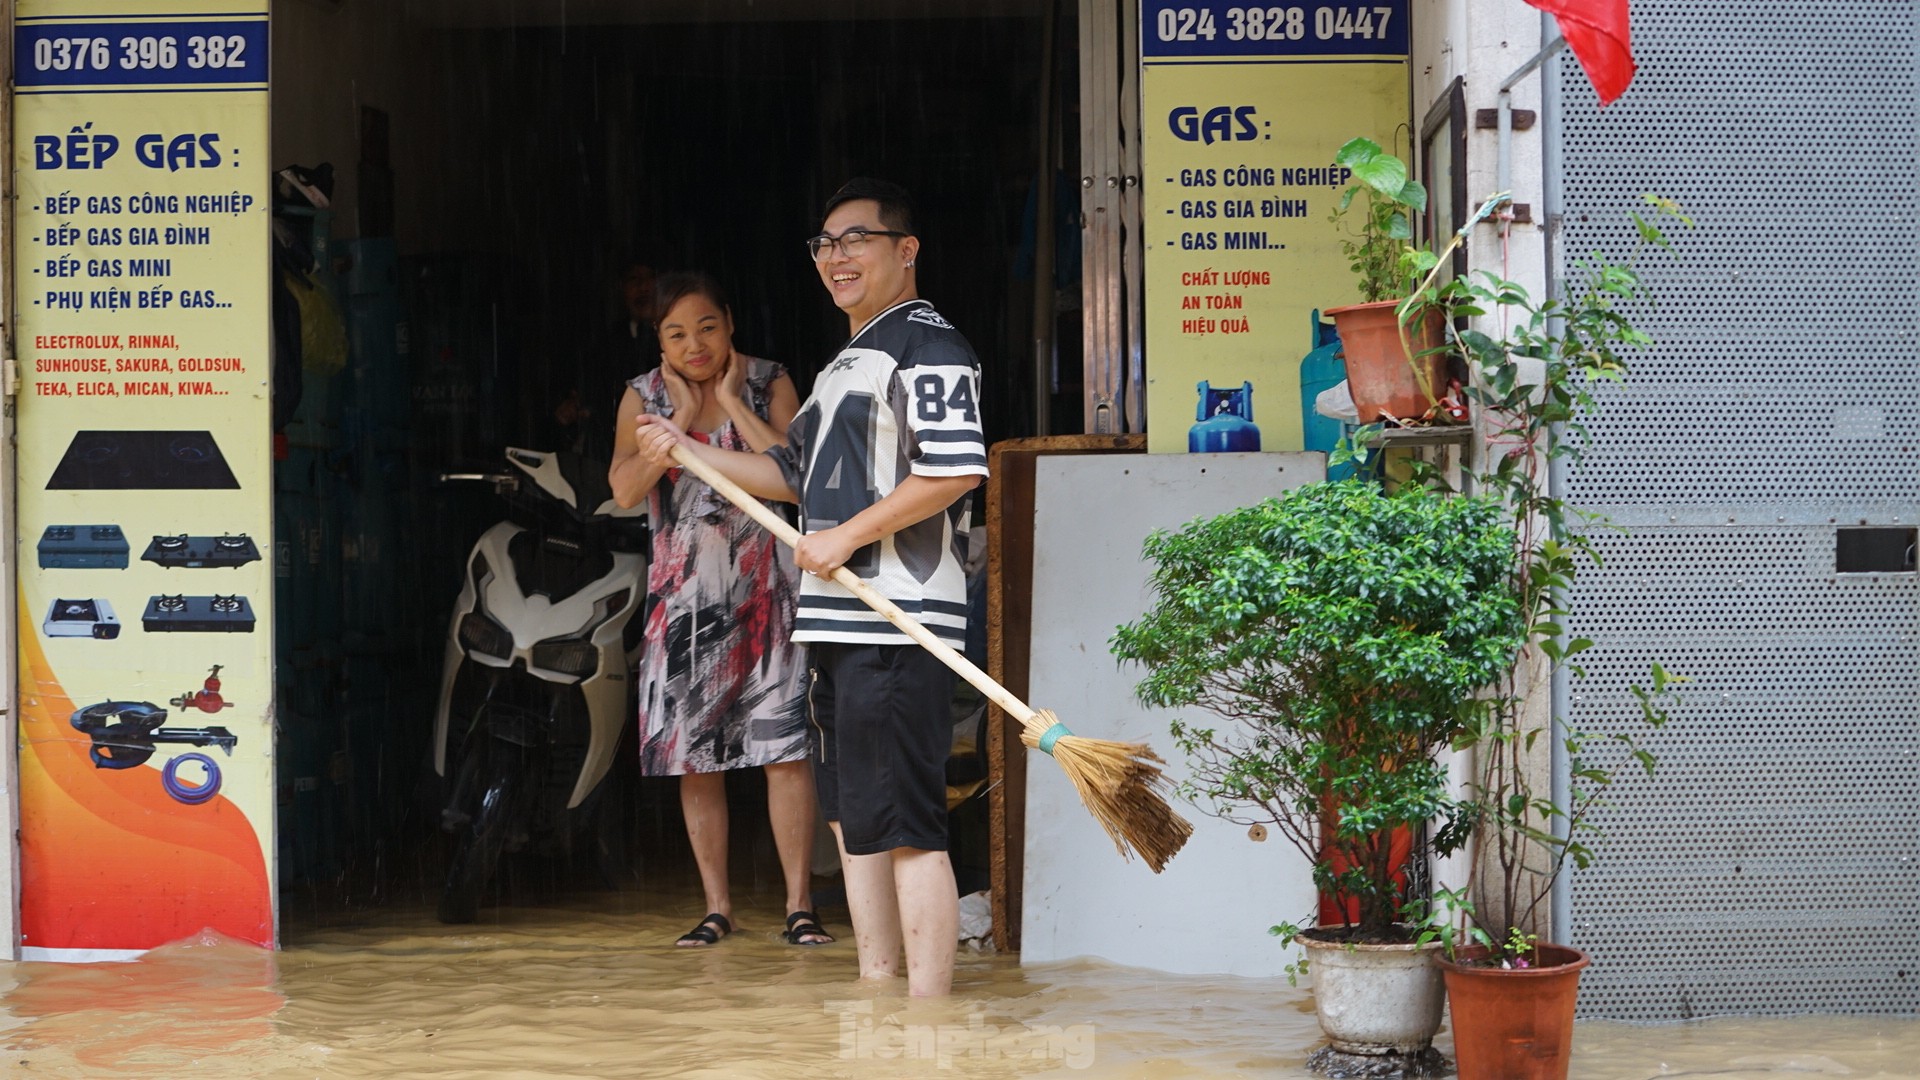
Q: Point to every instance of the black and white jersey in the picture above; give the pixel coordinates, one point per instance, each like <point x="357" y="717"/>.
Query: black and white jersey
<point x="901" y="399"/>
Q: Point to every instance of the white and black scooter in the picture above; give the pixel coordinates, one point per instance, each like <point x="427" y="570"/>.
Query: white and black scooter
<point x="540" y="652"/>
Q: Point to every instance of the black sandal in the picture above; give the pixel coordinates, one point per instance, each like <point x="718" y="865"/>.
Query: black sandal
<point x="805" y="924"/>
<point x="704" y="933"/>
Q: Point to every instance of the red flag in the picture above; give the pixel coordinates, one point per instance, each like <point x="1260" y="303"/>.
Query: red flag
<point x="1596" y="31"/>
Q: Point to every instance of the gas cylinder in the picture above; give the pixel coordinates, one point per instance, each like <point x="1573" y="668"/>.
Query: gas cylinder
<point x="1322" y="369"/>
<point x="1225" y="421"/>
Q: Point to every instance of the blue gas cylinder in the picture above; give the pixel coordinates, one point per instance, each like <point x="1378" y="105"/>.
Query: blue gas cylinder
<point x="1322" y="369"/>
<point x="1225" y="421"/>
<point x="380" y="376"/>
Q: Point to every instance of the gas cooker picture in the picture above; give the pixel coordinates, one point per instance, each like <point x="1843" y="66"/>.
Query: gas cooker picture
<point x="201" y="551"/>
<point x="177" y="614"/>
<point x="87" y="618"/>
<point x="83" y="547"/>
<point x="142" y="461"/>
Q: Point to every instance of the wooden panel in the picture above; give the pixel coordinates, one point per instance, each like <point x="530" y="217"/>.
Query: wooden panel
<point x="1009" y="626"/>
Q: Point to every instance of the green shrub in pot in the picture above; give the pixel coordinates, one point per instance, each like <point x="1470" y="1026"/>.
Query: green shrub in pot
<point x="1337" y="636"/>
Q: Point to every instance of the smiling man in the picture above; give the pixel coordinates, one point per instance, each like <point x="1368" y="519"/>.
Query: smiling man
<point x="881" y="459"/>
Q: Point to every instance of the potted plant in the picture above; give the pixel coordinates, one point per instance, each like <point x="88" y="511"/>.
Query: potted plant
<point x="1395" y="351"/>
<point x="1512" y="996"/>
<point x="1338" y="635"/>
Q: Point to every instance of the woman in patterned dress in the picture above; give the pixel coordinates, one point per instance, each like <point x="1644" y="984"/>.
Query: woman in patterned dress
<point x="722" y="686"/>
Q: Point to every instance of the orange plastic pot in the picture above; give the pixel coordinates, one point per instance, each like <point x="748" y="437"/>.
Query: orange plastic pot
<point x="1386" y="381"/>
<point x="1513" y="1024"/>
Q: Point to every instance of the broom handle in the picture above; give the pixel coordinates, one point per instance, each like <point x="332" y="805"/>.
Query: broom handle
<point x="790" y="536"/>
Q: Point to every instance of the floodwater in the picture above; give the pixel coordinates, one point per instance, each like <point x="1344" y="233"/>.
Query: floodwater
<point x="593" y="987"/>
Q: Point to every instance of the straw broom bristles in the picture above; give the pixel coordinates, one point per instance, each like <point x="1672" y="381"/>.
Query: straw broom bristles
<point x="1120" y="783"/>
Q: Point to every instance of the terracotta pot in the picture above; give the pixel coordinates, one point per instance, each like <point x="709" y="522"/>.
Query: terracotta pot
<point x="1386" y="384"/>
<point x="1375" y="999"/>
<point x="1513" y="1024"/>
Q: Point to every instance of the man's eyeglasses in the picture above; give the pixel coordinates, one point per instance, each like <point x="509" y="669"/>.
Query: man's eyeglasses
<point x="851" y="243"/>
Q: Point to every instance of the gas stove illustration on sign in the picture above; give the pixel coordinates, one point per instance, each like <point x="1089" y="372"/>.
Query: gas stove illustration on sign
<point x="124" y="733"/>
<point x="81" y="618"/>
<point x="202" y="551"/>
<point x="83" y="547"/>
<point x="142" y="461"/>
<point x="180" y="614"/>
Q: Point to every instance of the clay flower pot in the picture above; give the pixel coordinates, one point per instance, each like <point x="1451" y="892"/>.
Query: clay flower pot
<point x="1513" y="1023"/>
<point x="1386" y="384"/>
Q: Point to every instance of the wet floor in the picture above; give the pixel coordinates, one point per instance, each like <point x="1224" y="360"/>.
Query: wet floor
<point x="593" y="987"/>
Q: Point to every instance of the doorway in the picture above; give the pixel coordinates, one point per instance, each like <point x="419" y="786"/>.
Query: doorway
<point x="494" y="170"/>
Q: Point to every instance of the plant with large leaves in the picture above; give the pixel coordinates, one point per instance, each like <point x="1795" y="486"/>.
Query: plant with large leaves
<point x="1381" y="248"/>
<point x="1393" y="347"/>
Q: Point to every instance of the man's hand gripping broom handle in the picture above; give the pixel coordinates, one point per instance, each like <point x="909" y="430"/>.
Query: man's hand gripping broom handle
<point x="790" y="536"/>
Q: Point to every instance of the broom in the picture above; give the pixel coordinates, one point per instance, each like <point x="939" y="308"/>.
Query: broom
<point x="1120" y="783"/>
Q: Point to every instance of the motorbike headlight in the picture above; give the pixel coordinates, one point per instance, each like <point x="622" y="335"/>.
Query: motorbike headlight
<point x="578" y="658"/>
<point x="614" y="604"/>
<point x="479" y="634"/>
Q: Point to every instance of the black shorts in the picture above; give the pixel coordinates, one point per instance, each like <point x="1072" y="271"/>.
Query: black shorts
<point x="882" y="728"/>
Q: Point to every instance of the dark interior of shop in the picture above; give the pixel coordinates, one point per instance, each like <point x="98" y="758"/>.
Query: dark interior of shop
<point x="468" y="297"/>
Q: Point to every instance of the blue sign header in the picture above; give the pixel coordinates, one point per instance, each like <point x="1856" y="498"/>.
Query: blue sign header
<point x="139" y="55"/>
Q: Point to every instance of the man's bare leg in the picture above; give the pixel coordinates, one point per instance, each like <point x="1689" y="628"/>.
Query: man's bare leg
<point x="930" y="917"/>
<point x="874" y="907"/>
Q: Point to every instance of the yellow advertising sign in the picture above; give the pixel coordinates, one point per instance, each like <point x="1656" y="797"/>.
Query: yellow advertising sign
<point x="145" y="476"/>
<point x="1243" y="109"/>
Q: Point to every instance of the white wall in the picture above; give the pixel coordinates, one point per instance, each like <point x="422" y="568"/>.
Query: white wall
<point x="1210" y="910"/>
<point x="1484" y="42"/>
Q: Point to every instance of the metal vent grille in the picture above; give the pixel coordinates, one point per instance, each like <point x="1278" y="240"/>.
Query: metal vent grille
<point x="1784" y="369"/>
<point x="1772" y="864"/>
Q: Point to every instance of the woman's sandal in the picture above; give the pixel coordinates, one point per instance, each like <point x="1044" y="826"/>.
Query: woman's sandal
<point x="805" y="924"/>
<point x="704" y="933"/>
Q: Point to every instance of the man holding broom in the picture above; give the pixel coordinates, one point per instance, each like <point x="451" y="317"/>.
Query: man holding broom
<point x="881" y="460"/>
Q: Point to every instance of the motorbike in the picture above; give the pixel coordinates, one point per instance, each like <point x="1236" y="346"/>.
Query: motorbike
<point x="539" y="660"/>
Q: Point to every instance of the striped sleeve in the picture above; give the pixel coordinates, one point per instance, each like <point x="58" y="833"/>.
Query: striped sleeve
<point x="941" y="385"/>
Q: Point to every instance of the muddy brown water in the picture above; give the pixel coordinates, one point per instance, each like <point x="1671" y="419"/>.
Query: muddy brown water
<point x="593" y="987"/>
